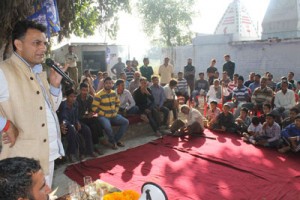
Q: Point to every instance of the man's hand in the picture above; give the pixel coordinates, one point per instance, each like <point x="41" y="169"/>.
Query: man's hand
<point x="10" y="136"/>
<point x="55" y="78"/>
<point x="78" y="126"/>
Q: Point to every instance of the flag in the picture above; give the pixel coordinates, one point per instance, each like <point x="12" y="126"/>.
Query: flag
<point x="46" y="13"/>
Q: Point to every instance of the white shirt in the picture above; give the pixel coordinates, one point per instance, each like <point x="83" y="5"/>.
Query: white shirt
<point x="169" y="93"/>
<point x="195" y="116"/>
<point x="286" y="100"/>
<point x="165" y="73"/>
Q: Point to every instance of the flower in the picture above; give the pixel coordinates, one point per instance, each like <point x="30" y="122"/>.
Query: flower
<point x="125" y="195"/>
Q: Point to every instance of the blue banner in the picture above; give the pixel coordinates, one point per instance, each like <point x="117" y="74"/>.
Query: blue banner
<point x="46" y="13"/>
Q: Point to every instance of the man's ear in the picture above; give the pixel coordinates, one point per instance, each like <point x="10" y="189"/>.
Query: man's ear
<point x="18" y="44"/>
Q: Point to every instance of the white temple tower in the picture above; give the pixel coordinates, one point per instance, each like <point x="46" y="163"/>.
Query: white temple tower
<point x="237" y="21"/>
<point x="282" y="19"/>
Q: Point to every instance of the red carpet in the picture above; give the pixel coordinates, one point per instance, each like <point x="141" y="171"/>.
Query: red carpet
<point x="200" y="168"/>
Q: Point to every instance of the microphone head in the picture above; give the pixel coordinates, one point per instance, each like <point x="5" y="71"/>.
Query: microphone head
<point x="49" y="62"/>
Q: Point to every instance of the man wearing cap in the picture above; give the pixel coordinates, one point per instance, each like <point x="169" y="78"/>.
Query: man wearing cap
<point x="291" y="136"/>
<point x="284" y="100"/>
<point x="106" y="103"/>
<point x="270" y="132"/>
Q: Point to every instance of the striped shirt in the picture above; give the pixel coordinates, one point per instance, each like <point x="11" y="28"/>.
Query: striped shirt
<point x="106" y="104"/>
<point x="129" y="73"/>
<point x="182" y="85"/>
<point x="262" y="95"/>
<point x="241" y="94"/>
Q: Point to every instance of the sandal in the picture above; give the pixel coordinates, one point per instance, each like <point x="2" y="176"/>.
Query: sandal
<point x="120" y="144"/>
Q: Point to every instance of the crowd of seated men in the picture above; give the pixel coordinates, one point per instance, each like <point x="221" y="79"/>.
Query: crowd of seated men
<point x="260" y="110"/>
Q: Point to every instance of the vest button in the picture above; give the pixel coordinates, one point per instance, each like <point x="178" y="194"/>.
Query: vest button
<point x="31" y="78"/>
<point x="45" y="140"/>
<point x="41" y="108"/>
<point x="37" y="92"/>
<point x="43" y="125"/>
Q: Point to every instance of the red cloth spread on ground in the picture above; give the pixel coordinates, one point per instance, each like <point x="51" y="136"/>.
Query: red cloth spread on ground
<point x="199" y="168"/>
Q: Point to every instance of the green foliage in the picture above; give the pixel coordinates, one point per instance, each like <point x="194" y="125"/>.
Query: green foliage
<point x="167" y="21"/>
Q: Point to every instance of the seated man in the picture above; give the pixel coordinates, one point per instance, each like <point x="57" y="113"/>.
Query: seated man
<point x="256" y="83"/>
<point x="22" y="178"/>
<point x="106" y="103"/>
<point x="201" y="88"/>
<point x="135" y="82"/>
<point x="284" y="100"/>
<point x="68" y="116"/>
<point x="216" y="92"/>
<point x="145" y="101"/>
<point x="291" y="136"/>
<point x="193" y="126"/>
<point x="262" y="95"/>
<point x="127" y="103"/>
<point x="182" y="87"/>
<point x="270" y="132"/>
<point x="159" y="99"/>
<point x="171" y="98"/>
<point x="87" y="116"/>
<point x="225" y="120"/>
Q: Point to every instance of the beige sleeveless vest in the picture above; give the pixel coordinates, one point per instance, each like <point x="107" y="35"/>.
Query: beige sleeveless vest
<point x="26" y="109"/>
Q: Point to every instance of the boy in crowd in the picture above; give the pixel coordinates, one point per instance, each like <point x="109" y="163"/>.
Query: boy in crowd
<point x="225" y="120"/>
<point x="270" y="132"/>
<point x="212" y="114"/>
<point x="291" y="136"/>
<point x="243" y="121"/>
<point x="254" y="130"/>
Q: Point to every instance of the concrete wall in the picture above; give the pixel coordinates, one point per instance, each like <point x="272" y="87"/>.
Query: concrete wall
<point x="277" y="56"/>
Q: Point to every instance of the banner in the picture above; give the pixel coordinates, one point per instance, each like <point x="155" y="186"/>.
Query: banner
<point x="46" y="13"/>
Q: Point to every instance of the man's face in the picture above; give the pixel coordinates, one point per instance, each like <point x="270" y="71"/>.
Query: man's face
<point x="123" y="76"/>
<point x="290" y="76"/>
<point x="143" y="84"/>
<point x="189" y="61"/>
<point x="185" y="111"/>
<point x="201" y="76"/>
<point x="180" y="75"/>
<point x="105" y="75"/>
<point x="226" y="109"/>
<point x="71" y="49"/>
<point x="155" y="81"/>
<point x="263" y="83"/>
<point x="213" y="106"/>
<point x="252" y="76"/>
<point x="269" y="120"/>
<point x="257" y="79"/>
<point x="240" y="83"/>
<point x="108" y="85"/>
<point x="266" y="109"/>
<point x="166" y="61"/>
<point x="32" y="46"/>
<point x="293" y="114"/>
<point x="297" y="123"/>
<point x="71" y="98"/>
<point x="137" y="76"/>
<point x="227" y="58"/>
<point x="121" y="87"/>
<point x="146" y="62"/>
<point x="84" y="91"/>
<point x="225" y="76"/>
<point x="284" y="86"/>
<point x="40" y="190"/>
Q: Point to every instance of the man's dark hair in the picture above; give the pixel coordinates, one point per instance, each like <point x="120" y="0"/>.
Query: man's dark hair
<point x="172" y="83"/>
<point x="255" y="120"/>
<point x="127" y="62"/>
<point x="267" y="105"/>
<point x="16" y="177"/>
<point x="21" y="28"/>
<point x="296" y="110"/>
<point x="119" y="82"/>
<point x="107" y="79"/>
<point x="83" y="85"/>
<point x="241" y="78"/>
<point x="69" y="92"/>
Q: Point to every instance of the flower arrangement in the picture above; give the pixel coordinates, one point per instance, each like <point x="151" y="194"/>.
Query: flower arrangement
<point x="124" y="195"/>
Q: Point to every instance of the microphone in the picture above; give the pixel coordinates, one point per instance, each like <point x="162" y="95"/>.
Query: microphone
<point x="51" y="64"/>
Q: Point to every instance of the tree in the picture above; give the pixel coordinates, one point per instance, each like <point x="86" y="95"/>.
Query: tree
<point x="80" y="17"/>
<point x="167" y="21"/>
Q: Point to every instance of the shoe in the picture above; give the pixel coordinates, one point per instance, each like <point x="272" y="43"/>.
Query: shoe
<point x="98" y="151"/>
<point x="114" y="146"/>
<point x="120" y="144"/>
<point x="157" y="134"/>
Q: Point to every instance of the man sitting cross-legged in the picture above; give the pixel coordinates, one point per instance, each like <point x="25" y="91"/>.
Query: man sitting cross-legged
<point x="22" y="179"/>
<point x="291" y="136"/>
<point x="194" y="125"/>
<point x="106" y="103"/>
<point x="225" y="120"/>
